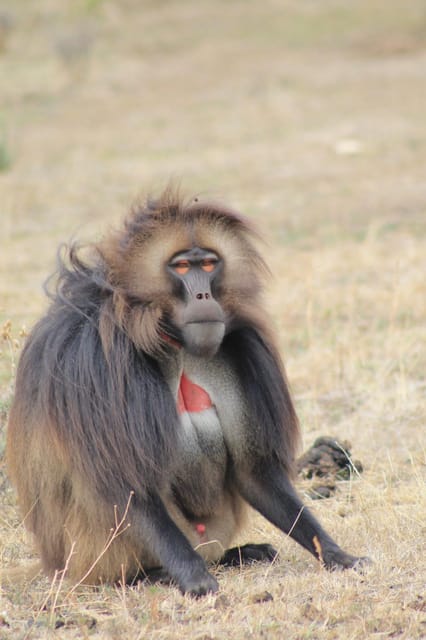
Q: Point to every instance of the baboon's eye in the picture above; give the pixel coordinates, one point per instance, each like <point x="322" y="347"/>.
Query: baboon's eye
<point x="209" y="264"/>
<point x="182" y="267"/>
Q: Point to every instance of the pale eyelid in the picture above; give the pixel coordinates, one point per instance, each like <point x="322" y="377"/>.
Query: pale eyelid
<point x="207" y="264"/>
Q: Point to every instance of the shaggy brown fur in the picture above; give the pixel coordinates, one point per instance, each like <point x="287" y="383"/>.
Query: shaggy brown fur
<point x="94" y="433"/>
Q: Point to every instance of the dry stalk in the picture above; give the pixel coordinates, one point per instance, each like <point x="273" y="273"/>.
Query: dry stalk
<point x="61" y="580"/>
<point x="44" y="604"/>
<point x="114" y="534"/>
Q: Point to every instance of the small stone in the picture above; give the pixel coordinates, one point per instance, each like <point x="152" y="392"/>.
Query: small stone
<point x="419" y="604"/>
<point x="319" y="492"/>
<point x="348" y="147"/>
<point x="310" y="612"/>
<point x="262" y="596"/>
<point x="222" y="602"/>
<point x="3" y="621"/>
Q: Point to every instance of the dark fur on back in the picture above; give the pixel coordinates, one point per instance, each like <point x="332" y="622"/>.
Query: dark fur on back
<point x="97" y="405"/>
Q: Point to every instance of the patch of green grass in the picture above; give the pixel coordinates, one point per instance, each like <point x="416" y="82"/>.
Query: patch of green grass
<point x="5" y="154"/>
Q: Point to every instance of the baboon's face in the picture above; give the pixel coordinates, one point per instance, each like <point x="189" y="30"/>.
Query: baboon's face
<point x="195" y="275"/>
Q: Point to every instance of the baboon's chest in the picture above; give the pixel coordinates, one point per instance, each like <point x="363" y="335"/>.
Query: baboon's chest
<point x="201" y="436"/>
<point x="208" y="408"/>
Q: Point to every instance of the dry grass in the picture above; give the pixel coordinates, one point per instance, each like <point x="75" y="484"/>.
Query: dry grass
<point x="309" y="117"/>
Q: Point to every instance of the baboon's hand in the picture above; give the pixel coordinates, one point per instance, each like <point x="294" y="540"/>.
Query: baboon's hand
<point x="198" y="583"/>
<point x="338" y="559"/>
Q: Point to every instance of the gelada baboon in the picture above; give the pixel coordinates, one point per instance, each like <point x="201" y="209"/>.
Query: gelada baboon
<point x="151" y="406"/>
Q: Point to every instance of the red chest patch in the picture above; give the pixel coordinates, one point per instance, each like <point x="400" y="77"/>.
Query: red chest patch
<point x="191" y="397"/>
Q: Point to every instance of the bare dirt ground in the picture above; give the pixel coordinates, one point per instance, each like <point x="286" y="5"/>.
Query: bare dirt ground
<point x="310" y="118"/>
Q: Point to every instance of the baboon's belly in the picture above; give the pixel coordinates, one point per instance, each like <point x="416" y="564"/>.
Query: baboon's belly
<point x="200" y="475"/>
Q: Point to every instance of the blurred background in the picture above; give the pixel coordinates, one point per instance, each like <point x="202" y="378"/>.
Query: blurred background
<point x="307" y="116"/>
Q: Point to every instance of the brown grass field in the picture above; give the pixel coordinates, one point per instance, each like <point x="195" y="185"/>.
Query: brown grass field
<point x="309" y="117"/>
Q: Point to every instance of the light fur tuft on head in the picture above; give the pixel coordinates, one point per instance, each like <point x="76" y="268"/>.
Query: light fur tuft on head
<point x="135" y="258"/>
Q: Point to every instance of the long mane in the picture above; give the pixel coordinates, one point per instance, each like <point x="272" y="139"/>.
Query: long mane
<point x="102" y="405"/>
